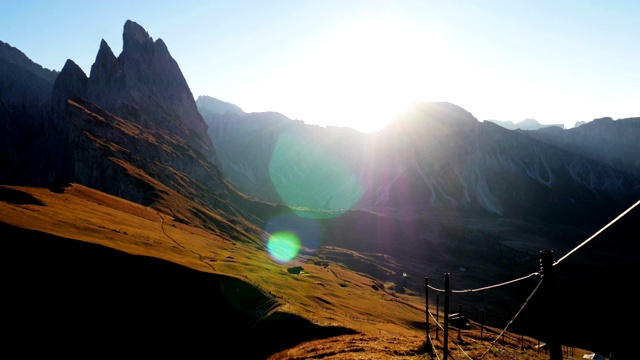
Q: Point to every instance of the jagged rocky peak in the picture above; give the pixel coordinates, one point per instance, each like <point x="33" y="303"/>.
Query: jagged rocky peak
<point x="140" y="54"/>
<point x="144" y="84"/>
<point x="106" y="64"/>
<point x="135" y="37"/>
<point x="148" y="68"/>
<point x="72" y="81"/>
<point x="103" y="71"/>
<point x="139" y="46"/>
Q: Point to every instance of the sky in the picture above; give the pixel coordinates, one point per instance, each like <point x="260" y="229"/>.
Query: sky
<point x="359" y="63"/>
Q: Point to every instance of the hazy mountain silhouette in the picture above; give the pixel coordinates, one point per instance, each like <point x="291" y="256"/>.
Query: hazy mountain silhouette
<point x="438" y="156"/>
<point x="526" y="124"/>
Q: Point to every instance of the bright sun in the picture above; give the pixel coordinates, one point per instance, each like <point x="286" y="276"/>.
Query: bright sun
<point x="366" y="72"/>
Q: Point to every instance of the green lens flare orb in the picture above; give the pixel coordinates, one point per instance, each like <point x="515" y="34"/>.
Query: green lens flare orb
<point x="310" y="180"/>
<point x="283" y="246"/>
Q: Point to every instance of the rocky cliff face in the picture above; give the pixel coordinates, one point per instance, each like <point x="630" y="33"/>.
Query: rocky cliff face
<point x="134" y="112"/>
<point x="122" y="158"/>
<point x="25" y="105"/>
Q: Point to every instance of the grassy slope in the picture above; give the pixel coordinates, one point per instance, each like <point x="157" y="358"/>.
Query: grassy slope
<point x="391" y="324"/>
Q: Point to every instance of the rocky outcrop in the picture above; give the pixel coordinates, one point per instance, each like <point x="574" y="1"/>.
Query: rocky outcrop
<point x="71" y="81"/>
<point x="134" y="111"/>
<point x="104" y="80"/>
<point x="145" y="84"/>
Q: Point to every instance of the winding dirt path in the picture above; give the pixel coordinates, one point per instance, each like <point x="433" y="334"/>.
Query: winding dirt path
<point x="202" y="259"/>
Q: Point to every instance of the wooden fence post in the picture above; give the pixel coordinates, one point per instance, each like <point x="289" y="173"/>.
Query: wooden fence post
<point x="460" y="315"/>
<point x="437" y="314"/>
<point x="446" y="316"/>
<point x="548" y="292"/>
<point x="482" y="327"/>
<point x="426" y="304"/>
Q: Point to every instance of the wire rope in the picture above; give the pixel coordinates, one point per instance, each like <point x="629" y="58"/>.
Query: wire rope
<point x="597" y="233"/>
<point x="434" y="320"/>
<point x="513" y="318"/>
<point x="433" y="347"/>
<point x="554" y="264"/>
<point x="488" y="287"/>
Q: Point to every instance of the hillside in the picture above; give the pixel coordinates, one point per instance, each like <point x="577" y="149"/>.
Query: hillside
<point x="107" y="270"/>
<point x="129" y="283"/>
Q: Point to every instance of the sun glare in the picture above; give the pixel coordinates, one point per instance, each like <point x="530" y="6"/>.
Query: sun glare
<point x="365" y="72"/>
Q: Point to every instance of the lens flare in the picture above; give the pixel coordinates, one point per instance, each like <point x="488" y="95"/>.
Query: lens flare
<point x="283" y="246"/>
<point x="312" y="182"/>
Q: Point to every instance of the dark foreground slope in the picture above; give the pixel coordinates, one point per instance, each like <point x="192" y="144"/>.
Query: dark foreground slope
<point x="72" y="298"/>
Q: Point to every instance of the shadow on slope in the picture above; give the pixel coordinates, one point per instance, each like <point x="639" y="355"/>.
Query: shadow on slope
<point x="17" y="197"/>
<point x="64" y="296"/>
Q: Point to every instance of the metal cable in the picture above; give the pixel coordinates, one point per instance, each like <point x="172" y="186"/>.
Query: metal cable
<point x="433" y="347"/>
<point x="464" y="352"/>
<point x="597" y="233"/>
<point x="514" y="317"/>
<point x="488" y="287"/>
<point x="434" y="320"/>
<point x="554" y="264"/>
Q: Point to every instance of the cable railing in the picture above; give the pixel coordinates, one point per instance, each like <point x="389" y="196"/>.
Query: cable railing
<point x="503" y="331"/>
<point x="554" y="264"/>
<point x="493" y="343"/>
<point x="597" y="233"/>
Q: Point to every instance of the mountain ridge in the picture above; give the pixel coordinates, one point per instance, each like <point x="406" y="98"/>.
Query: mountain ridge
<point x="467" y="146"/>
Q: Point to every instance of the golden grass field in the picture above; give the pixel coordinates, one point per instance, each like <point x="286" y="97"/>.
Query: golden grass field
<point x="387" y="325"/>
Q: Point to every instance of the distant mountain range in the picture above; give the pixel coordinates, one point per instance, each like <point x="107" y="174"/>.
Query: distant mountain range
<point x="526" y="124"/>
<point x="436" y="190"/>
<point x="436" y="156"/>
